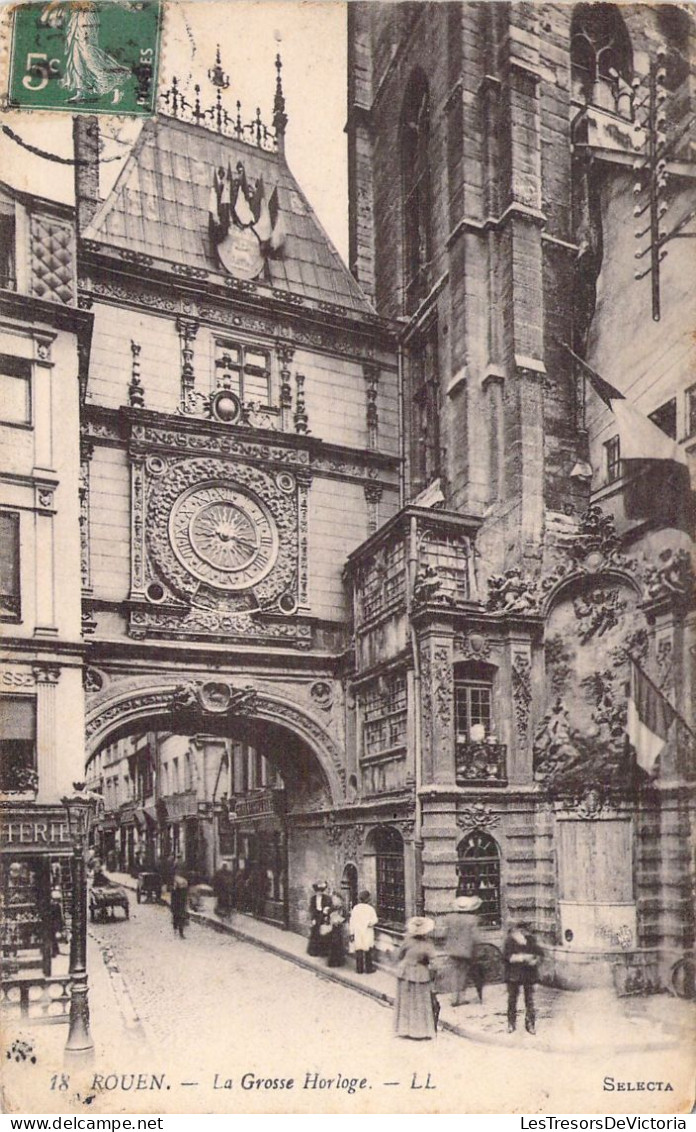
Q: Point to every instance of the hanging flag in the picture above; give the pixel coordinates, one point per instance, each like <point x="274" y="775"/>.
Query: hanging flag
<point x="650" y="717"/>
<point x="225" y="201"/>
<point x="263" y="226"/>
<point x="278" y="226"/>
<point x="214" y="207"/>
<point x="654" y="466"/>
<point x="241" y="208"/>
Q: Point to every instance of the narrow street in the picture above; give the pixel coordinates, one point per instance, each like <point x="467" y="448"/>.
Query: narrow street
<point x="213" y="1009"/>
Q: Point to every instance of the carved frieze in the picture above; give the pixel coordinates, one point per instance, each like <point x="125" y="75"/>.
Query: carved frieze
<point x="230" y="628"/>
<point x="223" y="444"/>
<point x="327" y="338"/>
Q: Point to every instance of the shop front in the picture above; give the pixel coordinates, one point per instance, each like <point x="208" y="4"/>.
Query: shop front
<point x="253" y="839"/>
<point x="35" y="907"/>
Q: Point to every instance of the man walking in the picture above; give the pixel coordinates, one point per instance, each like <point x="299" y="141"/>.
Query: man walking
<point x="179" y="900"/>
<point x="461" y="937"/>
<point x="521" y="953"/>
<point x="362" y="932"/>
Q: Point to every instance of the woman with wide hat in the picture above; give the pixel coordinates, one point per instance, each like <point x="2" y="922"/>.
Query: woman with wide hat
<point x="414" y="1014"/>
<point x="319" y="926"/>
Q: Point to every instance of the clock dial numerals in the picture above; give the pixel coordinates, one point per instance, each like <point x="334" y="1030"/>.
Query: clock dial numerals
<point x="223" y="536"/>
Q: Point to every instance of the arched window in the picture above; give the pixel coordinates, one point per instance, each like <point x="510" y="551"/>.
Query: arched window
<point x="601" y="58"/>
<point x="415" y="174"/>
<point x="478" y="869"/>
<point x="389" y="861"/>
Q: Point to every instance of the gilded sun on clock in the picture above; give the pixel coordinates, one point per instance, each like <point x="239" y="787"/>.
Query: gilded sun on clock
<point x="223" y="536"/>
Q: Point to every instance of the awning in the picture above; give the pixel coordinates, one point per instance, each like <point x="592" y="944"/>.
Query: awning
<point x="139" y="816"/>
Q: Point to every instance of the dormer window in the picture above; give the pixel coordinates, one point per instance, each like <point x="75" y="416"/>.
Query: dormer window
<point x="245" y="370"/>
<point x="601" y="59"/>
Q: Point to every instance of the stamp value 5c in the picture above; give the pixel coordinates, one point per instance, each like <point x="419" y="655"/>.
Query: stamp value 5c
<point x="95" y="56"/>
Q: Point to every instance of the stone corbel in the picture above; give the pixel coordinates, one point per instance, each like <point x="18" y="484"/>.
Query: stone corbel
<point x="42" y="347"/>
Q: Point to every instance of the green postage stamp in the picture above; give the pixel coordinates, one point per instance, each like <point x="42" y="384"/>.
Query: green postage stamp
<point x="96" y="56"/>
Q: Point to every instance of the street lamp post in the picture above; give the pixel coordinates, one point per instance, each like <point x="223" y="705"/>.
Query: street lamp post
<point x="79" y="808"/>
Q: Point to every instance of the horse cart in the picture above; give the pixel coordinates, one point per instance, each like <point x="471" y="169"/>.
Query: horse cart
<point x="148" y="887"/>
<point x="104" y="899"/>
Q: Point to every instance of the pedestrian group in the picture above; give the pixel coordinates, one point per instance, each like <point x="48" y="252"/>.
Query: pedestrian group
<point x="416" y="1006"/>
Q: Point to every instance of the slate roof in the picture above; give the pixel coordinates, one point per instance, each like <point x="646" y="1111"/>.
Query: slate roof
<point x="159" y="207"/>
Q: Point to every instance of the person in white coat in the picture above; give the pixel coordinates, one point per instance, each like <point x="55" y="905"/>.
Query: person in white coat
<point x="362" y="932"/>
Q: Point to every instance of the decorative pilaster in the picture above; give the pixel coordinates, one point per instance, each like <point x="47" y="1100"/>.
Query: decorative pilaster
<point x="187" y="329"/>
<point x="136" y="394"/>
<point x="371" y="372"/>
<point x="47" y="677"/>
<point x="86" y="453"/>
<point x="44" y="422"/>
<point x="373" y="495"/>
<point x="44" y="515"/>
<point x="304" y="480"/>
<point x="437" y="710"/>
<point x="285" y="353"/>
<point x="137" y="527"/>
<point x="301" y="418"/>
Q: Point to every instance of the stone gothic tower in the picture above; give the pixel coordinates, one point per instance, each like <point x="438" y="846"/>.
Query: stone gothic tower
<point x="517" y="172"/>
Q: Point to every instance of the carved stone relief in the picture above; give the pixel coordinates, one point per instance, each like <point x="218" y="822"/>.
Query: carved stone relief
<point x="522" y="694"/>
<point x="221" y="539"/>
<point x="476" y="816"/>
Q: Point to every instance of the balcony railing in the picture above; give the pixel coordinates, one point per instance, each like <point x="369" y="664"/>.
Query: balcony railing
<point x="480" y="763"/>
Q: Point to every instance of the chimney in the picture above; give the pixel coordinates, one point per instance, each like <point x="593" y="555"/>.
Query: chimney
<point x="86" y="150"/>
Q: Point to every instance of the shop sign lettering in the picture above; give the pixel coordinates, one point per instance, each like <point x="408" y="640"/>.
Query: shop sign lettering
<point x="34" y="833"/>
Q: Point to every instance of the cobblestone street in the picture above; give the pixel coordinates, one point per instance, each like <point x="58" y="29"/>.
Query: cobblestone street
<point x="190" y="1015"/>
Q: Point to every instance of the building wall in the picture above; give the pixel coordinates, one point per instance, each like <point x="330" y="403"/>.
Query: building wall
<point x="39" y="480"/>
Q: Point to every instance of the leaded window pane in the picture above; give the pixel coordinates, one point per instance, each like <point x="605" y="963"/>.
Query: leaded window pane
<point x="478" y="871"/>
<point x="391" y="893"/>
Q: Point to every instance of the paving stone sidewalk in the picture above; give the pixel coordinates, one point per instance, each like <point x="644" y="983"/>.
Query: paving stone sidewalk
<point x="567" y="1021"/>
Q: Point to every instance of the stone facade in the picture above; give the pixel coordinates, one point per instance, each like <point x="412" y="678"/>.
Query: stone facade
<point x="44" y="339"/>
<point x="491" y="169"/>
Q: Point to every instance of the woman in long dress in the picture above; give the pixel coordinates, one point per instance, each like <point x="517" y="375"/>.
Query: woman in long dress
<point x="414" y="1016"/>
<point x="337" y="951"/>
<point x="89" y="71"/>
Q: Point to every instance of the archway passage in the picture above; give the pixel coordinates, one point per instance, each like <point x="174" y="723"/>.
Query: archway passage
<point x="237" y="791"/>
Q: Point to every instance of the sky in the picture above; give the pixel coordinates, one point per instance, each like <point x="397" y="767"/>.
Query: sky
<point x="311" y="38"/>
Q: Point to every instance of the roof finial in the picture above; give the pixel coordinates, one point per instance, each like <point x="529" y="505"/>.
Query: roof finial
<point x="217" y="76"/>
<point x="280" y="118"/>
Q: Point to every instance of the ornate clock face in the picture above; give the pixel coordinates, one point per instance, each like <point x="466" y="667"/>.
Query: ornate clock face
<point x="223" y="536"/>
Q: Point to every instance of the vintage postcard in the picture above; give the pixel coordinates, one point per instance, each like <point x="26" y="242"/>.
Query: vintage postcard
<point x="348" y="421"/>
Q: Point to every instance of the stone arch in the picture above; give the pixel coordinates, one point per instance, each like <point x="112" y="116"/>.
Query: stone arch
<point x="152" y="704"/>
<point x="579" y="579"/>
<point x="601" y="54"/>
